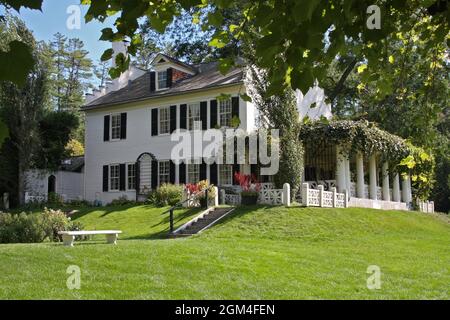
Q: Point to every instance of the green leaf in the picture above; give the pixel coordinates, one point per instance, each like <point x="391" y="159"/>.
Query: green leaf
<point x="361" y="68"/>
<point x="246" y="97"/>
<point x="107" y="34"/>
<point x="225" y="65"/>
<point x="303" y="10"/>
<point x="16" y="63"/>
<point x="215" y="18"/>
<point x="17" y="4"/>
<point x="107" y="55"/>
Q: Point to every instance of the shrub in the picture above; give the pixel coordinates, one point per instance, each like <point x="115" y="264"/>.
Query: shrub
<point x="122" y="201"/>
<point x="55" y="221"/>
<point x="166" y="194"/>
<point x="21" y="228"/>
<point x="55" y="199"/>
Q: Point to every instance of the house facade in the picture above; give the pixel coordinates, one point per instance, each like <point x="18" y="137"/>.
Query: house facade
<point x="128" y="129"/>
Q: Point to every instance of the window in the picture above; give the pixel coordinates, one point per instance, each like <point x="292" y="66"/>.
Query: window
<point x="225" y="113"/>
<point x="194" y="116"/>
<point x="225" y="174"/>
<point x="114" y="177"/>
<point x="164" y="120"/>
<point x="131" y="176"/>
<point x="162" y="79"/>
<point x="164" y="172"/>
<point x="193" y="174"/>
<point x="115" y="126"/>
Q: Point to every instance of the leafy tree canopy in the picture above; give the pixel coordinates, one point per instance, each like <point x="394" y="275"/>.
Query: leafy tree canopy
<point x="295" y="40"/>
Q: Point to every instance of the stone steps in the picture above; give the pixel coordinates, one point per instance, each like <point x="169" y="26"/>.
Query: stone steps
<point x="203" y="222"/>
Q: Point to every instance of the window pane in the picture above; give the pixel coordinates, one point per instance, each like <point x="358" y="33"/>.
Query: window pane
<point x="194" y="116"/>
<point x="193" y="173"/>
<point x="225" y="174"/>
<point x="162" y="79"/>
<point x="115" y="126"/>
<point x="225" y="113"/>
<point x="131" y="176"/>
<point x="164" y="172"/>
<point x="164" y="120"/>
<point x="114" y="177"/>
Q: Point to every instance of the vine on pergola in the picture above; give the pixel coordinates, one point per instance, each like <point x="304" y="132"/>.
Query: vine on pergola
<point x="367" y="138"/>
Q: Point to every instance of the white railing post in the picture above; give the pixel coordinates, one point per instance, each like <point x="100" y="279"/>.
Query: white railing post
<point x="320" y="187"/>
<point x="345" y="199"/>
<point x="222" y="196"/>
<point x="333" y="189"/>
<point x="6" y="201"/>
<point x="286" y="198"/>
<point x="216" y="196"/>
<point x="305" y="192"/>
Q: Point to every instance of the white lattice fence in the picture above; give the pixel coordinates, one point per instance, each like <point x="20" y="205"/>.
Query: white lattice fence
<point x="232" y="199"/>
<point x="426" y="206"/>
<point x="340" y="200"/>
<point x="271" y="196"/>
<point x="321" y="198"/>
<point x="37" y="198"/>
<point x="327" y="199"/>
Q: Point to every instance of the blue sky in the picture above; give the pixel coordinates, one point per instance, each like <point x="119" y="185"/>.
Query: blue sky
<point x="53" y="19"/>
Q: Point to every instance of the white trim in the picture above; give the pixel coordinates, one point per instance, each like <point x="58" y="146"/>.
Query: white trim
<point x="157" y="80"/>
<point x="126" y="176"/>
<point x="159" y="121"/>
<point x="159" y="173"/>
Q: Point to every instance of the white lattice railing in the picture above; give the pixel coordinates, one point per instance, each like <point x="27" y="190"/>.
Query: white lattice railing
<point x="267" y="186"/>
<point x="271" y="196"/>
<point x="37" y="198"/>
<point x="313" y="198"/>
<point x="340" y="200"/>
<point x="426" y="206"/>
<point x="321" y="198"/>
<point x="232" y="199"/>
<point x="327" y="199"/>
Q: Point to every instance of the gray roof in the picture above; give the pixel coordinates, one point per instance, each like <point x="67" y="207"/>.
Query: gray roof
<point x="208" y="76"/>
<point x="73" y="164"/>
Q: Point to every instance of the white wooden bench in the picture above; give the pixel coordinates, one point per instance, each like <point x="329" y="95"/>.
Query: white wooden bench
<point x="69" y="236"/>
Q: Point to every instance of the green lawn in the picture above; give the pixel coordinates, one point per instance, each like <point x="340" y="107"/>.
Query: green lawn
<point x="256" y="253"/>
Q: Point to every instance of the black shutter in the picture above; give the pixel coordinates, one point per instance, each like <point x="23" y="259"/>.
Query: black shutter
<point x="203" y="171"/>
<point x="254" y="170"/>
<point x="155" y="122"/>
<point x="204" y="114"/>
<point x="213" y="114"/>
<point x="106" y="128"/>
<point x="105" y="178"/>
<point x="172" y="172"/>
<point x="213" y="174"/>
<point x="173" y="118"/>
<point x="123" y="126"/>
<point x="183" y="116"/>
<point x="182" y="173"/>
<point x="122" y="180"/>
<point x="152" y="81"/>
<point x="169" y="77"/>
<point x="154" y="174"/>
<point x="235" y="107"/>
<point x="236" y="166"/>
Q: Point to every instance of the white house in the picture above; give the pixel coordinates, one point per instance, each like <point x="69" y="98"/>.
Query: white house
<point x="128" y="145"/>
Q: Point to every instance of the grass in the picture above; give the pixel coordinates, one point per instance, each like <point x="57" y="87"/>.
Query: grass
<point x="255" y="253"/>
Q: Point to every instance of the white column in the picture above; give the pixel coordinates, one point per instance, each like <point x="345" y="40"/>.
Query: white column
<point x="373" y="177"/>
<point x="286" y="195"/>
<point x="359" y="175"/>
<point x="406" y="191"/>
<point x="222" y="196"/>
<point x="396" y="188"/>
<point x="216" y="196"/>
<point x="341" y="182"/>
<point x="333" y="189"/>
<point x="348" y="176"/>
<point x="385" y="175"/>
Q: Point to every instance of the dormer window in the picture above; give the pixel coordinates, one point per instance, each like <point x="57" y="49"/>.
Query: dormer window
<point x="162" y="80"/>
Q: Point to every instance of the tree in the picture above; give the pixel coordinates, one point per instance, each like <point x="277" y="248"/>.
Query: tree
<point x="294" y="40"/>
<point x="279" y="112"/>
<point x="21" y="107"/>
